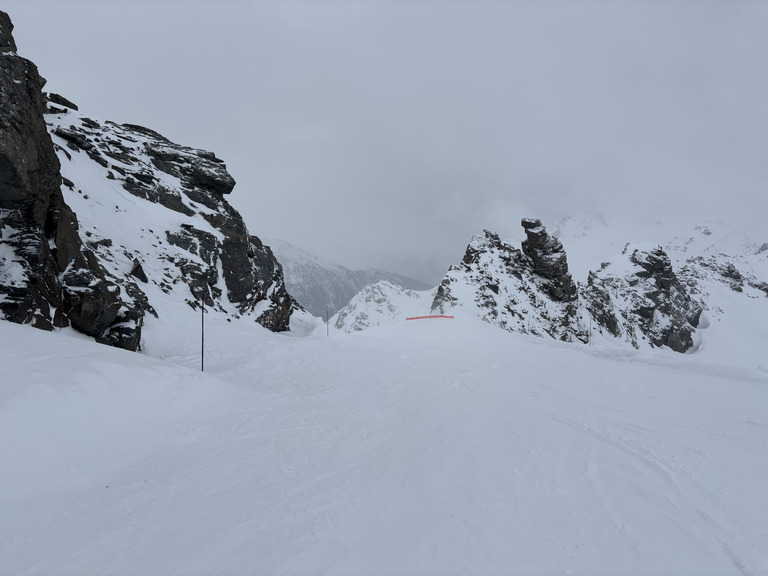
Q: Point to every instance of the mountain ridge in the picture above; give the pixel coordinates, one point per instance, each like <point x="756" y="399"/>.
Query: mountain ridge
<point x="675" y="294"/>
<point x="322" y="286"/>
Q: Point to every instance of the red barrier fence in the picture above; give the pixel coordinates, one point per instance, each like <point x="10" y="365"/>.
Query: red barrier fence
<point x="425" y="317"/>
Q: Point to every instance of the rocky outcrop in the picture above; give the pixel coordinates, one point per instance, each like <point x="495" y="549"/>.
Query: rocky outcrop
<point x="150" y="213"/>
<point x="549" y="262"/>
<point x="724" y="270"/>
<point x="188" y="236"/>
<point x="270" y="283"/>
<point x="528" y="291"/>
<point x="639" y="298"/>
<point x="47" y="277"/>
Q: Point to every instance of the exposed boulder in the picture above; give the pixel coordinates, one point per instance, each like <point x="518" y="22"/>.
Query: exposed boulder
<point x="60" y="100"/>
<point x="138" y="271"/>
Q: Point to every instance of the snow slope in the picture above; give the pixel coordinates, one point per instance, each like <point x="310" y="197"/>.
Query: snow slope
<point x="415" y="448"/>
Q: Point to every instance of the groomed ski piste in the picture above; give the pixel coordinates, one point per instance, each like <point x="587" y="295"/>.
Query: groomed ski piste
<point x="429" y="447"/>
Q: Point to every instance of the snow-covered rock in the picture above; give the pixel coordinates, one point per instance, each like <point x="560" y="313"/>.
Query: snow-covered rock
<point x="102" y="223"/>
<point x="647" y="296"/>
<point x="146" y="203"/>
<point x="638" y="297"/>
<point x="382" y="303"/>
<point x="529" y="293"/>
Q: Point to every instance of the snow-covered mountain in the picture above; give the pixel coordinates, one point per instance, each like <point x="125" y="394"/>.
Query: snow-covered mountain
<point x="324" y="287"/>
<point x="380" y="304"/>
<point x="103" y="226"/>
<point x="647" y="295"/>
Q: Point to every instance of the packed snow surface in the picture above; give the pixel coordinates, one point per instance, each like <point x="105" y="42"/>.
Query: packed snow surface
<point x="430" y="447"/>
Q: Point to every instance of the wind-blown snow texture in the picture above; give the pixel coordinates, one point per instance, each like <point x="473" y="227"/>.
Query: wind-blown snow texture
<point x="417" y="448"/>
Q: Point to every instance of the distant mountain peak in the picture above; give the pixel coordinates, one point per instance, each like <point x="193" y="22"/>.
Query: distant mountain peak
<point x="322" y="286"/>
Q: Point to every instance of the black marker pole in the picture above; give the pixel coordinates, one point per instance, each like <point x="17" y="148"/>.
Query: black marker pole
<point x="202" y="333"/>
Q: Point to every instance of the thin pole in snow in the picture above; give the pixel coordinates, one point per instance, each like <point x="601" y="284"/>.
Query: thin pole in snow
<point x="202" y="333"/>
<point x="327" y="321"/>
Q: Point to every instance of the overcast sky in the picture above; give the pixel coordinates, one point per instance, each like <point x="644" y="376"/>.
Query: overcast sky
<point x="361" y="130"/>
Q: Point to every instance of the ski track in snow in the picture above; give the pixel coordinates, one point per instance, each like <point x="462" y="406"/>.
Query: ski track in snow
<point x="451" y="448"/>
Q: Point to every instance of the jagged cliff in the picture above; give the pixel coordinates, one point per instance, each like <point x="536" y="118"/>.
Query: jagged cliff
<point x="637" y="297"/>
<point x="528" y="291"/>
<point x="137" y="219"/>
<point x="47" y="276"/>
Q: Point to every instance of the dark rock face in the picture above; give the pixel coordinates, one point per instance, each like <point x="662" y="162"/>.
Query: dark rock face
<point x="530" y="292"/>
<point x="29" y="168"/>
<point x="549" y="261"/>
<point x="7" y="43"/>
<point x="138" y="271"/>
<point x="60" y="100"/>
<point x="647" y="303"/>
<point x="269" y="274"/>
<point x="48" y="278"/>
